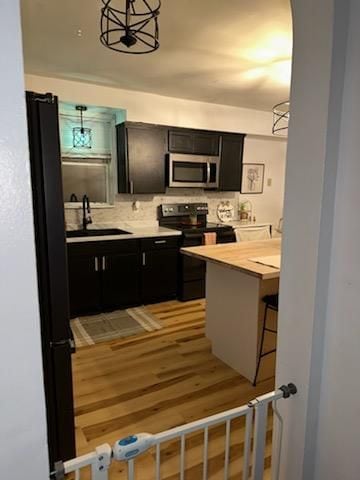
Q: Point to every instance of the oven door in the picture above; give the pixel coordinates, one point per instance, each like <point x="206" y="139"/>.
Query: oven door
<point x="193" y="171"/>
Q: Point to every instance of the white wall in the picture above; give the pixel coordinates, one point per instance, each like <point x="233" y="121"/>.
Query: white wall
<point x="317" y="349"/>
<point x="268" y="207"/>
<point x="338" y="440"/>
<point x="145" y="107"/>
<point x="23" y="449"/>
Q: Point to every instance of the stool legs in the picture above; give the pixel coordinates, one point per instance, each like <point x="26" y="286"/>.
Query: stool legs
<point x="264" y="329"/>
<point x="261" y="345"/>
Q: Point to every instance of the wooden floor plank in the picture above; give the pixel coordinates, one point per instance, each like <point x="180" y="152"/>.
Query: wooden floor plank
<point x="159" y="380"/>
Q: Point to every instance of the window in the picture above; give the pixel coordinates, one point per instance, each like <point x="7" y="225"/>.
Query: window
<point x="85" y="178"/>
<point x="88" y="170"/>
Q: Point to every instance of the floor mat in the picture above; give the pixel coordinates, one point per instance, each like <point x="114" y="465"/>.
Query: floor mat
<point x="94" y="329"/>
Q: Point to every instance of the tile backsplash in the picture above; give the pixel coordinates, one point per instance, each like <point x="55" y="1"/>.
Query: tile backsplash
<point x="123" y="209"/>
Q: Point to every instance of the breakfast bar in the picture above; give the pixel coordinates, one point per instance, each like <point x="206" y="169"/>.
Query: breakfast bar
<point x="238" y="276"/>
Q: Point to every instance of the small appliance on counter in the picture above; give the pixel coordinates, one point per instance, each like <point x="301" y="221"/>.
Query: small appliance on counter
<point x="191" y="220"/>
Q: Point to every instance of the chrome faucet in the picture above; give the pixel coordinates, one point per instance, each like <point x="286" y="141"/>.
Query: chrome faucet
<point x="86" y="211"/>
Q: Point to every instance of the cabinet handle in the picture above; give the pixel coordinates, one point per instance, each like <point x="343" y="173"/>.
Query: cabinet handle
<point x="160" y="241"/>
<point x="131" y="187"/>
<point x="103" y="266"/>
<point x="208" y="172"/>
<point x="144" y="259"/>
<point x="96" y="264"/>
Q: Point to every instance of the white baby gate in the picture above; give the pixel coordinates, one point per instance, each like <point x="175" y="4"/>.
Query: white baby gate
<point x="127" y="449"/>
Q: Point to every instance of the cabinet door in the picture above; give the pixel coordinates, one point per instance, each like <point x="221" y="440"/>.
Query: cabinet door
<point x="231" y="163"/>
<point x="196" y="142"/>
<point x="206" y="143"/>
<point x="120" y="280"/>
<point x="181" y="141"/>
<point x="159" y="275"/>
<point x="146" y="150"/>
<point x="84" y="284"/>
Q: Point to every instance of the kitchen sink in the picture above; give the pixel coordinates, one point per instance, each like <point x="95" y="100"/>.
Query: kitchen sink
<point x="95" y="232"/>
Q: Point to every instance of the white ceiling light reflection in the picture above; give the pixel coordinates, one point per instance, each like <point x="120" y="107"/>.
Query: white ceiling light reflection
<point x="278" y="72"/>
<point x="271" y="60"/>
<point x="281" y="72"/>
<point x="271" y="48"/>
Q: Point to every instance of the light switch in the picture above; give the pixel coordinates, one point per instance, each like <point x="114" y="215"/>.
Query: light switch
<point x="269" y="182"/>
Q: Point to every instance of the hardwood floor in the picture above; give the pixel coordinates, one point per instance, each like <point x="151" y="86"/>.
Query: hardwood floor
<point x="156" y="381"/>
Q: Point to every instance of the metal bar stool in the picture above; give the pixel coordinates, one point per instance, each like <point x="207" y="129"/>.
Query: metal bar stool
<point x="272" y="303"/>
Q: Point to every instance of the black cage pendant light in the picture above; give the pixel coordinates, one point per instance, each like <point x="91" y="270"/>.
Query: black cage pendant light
<point x="281" y="116"/>
<point x="130" y="26"/>
<point x="81" y="135"/>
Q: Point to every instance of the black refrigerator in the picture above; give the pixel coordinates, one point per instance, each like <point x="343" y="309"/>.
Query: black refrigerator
<point x="45" y="161"/>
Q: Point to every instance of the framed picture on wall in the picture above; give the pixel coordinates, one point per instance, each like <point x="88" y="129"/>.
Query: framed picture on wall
<point x="253" y="178"/>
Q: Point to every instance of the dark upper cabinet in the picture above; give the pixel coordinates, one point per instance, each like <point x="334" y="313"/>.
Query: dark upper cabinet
<point x="141" y="150"/>
<point x="196" y="142"/>
<point x="232" y="148"/>
<point x="159" y="277"/>
<point x="206" y="143"/>
<point x="181" y="141"/>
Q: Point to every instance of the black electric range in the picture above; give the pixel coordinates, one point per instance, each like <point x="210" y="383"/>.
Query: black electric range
<point x="191" y="220"/>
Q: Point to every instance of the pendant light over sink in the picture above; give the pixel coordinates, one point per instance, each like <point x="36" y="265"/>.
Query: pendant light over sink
<point x="130" y="26"/>
<point x="81" y="135"/>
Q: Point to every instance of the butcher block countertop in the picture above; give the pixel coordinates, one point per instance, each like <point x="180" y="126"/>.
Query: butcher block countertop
<point x="237" y="256"/>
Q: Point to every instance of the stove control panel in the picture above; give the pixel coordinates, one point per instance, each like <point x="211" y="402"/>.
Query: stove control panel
<point x="181" y="209"/>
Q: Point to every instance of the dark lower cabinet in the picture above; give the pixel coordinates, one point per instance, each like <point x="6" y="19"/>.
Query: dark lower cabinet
<point x="84" y="282"/>
<point x="159" y="274"/>
<point x="103" y="276"/>
<point x="110" y="275"/>
<point x="120" y="280"/>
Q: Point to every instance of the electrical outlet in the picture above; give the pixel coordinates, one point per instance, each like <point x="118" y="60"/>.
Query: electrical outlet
<point x="269" y="182"/>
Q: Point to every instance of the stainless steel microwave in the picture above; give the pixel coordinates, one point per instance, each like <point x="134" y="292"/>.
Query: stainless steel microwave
<point x="193" y="171"/>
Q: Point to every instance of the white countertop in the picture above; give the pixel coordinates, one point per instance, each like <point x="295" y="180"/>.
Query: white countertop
<point x="138" y="229"/>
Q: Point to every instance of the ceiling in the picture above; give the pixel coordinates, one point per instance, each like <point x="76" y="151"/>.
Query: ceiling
<point x="233" y="52"/>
